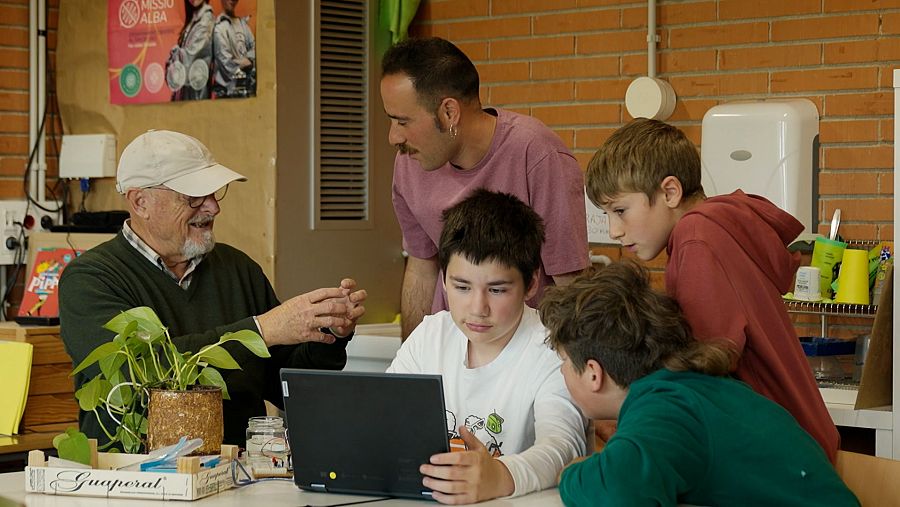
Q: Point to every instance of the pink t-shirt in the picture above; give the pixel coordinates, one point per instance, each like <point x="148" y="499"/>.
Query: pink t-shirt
<point x="525" y="159"/>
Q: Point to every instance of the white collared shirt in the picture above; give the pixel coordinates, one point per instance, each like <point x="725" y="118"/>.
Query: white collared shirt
<point x="141" y="246"/>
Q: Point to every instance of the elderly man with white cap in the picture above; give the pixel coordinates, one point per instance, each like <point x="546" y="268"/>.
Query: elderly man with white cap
<point x="166" y="258"/>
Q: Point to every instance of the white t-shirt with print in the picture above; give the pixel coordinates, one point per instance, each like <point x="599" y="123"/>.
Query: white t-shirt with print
<point x="517" y="405"/>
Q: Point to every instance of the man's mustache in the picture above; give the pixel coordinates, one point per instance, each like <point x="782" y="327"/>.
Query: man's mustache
<point x="202" y="220"/>
<point x="406" y="149"/>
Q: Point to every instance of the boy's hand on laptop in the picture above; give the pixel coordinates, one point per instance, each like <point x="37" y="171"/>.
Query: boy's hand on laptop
<point x="467" y="476"/>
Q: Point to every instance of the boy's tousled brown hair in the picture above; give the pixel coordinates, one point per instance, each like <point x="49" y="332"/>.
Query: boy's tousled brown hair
<point x="638" y="157"/>
<point x="613" y="316"/>
<point x="493" y="226"/>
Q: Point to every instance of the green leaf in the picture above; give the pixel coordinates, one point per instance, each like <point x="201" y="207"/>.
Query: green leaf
<point x="145" y="365"/>
<point x="97" y="354"/>
<point x="58" y="438"/>
<point x="137" y="346"/>
<point x="151" y="337"/>
<point x="129" y="330"/>
<point x="70" y="431"/>
<point x="122" y="324"/>
<point x="122" y="396"/>
<point x="117" y="378"/>
<point x="147" y="325"/>
<point x="250" y="339"/>
<point x="119" y="323"/>
<point x="219" y="357"/>
<point x="212" y="377"/>
<point x="110" y="365"/>
<point x="127" y="333"/>
<point x="92" y="392"/>
<point x="193" y="375"/>
<point x="137" y="422"/>
<point x="139" y="313"/>
<point x="178" y="357"/>
<point x="73" y="445"/>
<point x="145" y="313"/>
<point x="130" y="443"/>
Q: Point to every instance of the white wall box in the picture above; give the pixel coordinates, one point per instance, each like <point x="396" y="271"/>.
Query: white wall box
<point x="769" y="148"/>
<point x="88" y="156"/>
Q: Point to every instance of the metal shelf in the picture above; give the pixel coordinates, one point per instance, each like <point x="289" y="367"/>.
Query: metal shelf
<point x="835" y="309"/>
<point x="825" y="310"/>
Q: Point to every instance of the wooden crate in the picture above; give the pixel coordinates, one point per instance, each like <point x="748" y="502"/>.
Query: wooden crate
<point x="106" y="479"/>
<point x="51" y="404"/>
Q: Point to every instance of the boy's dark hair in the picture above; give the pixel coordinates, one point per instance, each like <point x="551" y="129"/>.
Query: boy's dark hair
<point x="613" y="316"/>
<point x="493" y="226"/>
<point x="638" y="157"/>
<point x="437" y="69"/>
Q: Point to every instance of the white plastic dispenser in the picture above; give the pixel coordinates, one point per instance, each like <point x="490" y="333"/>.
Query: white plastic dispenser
<point x="769" y="148"/>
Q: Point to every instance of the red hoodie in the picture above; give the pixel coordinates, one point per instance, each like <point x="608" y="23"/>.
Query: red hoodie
<point x="728" y="267"/>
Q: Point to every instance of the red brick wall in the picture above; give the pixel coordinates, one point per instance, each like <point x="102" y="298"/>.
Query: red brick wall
<point x="569" y="62"/>
<point x="14" y="102"/>
<point x="14" y="98"/>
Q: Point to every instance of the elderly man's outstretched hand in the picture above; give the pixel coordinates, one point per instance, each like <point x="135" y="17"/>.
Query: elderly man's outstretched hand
<point x="300" y="318"/>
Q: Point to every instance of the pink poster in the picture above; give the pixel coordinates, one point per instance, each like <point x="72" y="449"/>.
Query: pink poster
<point x="173" y="50"/>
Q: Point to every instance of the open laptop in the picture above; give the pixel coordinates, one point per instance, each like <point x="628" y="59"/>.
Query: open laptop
<point x="365" y="433"/>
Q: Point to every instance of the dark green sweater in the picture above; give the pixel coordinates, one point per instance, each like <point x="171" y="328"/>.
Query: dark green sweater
<point x="226" y="291"/>
<point x="689" y="438"/>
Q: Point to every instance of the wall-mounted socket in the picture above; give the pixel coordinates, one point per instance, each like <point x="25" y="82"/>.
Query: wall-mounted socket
<point x="18" y="219"/>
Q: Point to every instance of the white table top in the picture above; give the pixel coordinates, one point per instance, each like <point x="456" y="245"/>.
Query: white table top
<point x="267" y="493"/>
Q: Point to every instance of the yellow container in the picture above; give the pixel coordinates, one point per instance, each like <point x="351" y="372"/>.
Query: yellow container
<point x="853" y="280"/>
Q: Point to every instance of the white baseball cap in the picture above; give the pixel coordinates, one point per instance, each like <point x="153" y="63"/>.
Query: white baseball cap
<point x="174" y="160"/>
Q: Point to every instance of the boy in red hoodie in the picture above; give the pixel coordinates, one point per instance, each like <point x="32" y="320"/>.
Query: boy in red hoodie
<point x="728" y="264"/>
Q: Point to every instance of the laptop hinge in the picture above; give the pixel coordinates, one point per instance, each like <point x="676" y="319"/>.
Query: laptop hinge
<point x="317" y="487"/>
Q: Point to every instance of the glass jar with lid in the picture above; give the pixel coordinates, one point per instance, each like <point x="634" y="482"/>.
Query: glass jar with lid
<point x="267" y="447"/>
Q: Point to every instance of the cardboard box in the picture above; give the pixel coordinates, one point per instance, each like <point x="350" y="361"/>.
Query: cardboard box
<point x="876" y="385"/>
<point x="105" y="480"/>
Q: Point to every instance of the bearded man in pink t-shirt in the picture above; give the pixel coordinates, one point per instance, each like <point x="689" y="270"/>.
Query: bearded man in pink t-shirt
<point x="448" y="146"/>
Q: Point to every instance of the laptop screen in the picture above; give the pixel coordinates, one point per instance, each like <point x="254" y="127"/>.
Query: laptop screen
<point x="367" y="433"/>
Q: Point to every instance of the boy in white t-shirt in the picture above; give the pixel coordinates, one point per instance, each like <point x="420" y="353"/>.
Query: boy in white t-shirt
<point x="506" y="398"/>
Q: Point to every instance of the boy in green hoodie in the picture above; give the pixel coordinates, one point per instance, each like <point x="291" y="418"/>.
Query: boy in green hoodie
<point x="687" y="434"/>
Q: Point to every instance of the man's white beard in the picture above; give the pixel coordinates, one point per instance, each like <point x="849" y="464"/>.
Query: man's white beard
<point x="193" y="249"/>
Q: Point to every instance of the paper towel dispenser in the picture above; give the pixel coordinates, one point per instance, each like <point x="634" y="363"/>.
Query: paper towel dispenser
<point x="769" y="148"/>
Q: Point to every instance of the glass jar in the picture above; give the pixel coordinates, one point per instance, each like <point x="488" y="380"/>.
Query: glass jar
<point x="827" y="369"/>
<point x="267" y="447"/>
<point x="862" y="350"/>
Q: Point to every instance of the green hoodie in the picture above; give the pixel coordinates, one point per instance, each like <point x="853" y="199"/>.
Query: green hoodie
<point x="690" y="438"/>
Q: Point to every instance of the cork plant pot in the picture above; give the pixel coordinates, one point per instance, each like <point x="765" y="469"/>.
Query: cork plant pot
<point x="194" y="413"/>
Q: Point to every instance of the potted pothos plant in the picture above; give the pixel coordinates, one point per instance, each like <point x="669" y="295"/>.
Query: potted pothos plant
<point x="142" y="360"/>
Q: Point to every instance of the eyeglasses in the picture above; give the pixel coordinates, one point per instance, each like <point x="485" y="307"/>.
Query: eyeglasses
<point x="218" y="195"/>
<point x="196" y="202"/>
